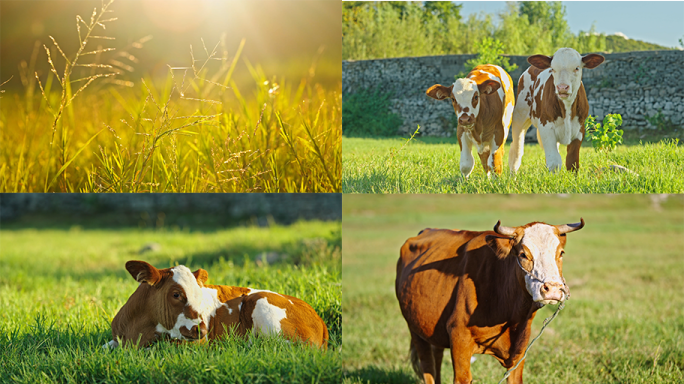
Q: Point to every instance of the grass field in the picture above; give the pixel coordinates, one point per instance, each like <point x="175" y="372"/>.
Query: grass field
<point x="78" y="121"/>
<point x="431" y="165"/>
<point x="61" y="287"/>
<point x="624" y="322"/>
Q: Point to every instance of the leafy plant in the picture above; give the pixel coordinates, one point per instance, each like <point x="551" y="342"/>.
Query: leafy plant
<point x="489" y="51"/>
<point x="660" y="122"/>
<point x="366" y="113"/>
<point x="607" y="136"/>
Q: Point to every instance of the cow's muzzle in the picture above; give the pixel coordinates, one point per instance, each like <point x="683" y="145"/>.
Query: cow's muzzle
<point x="552" y="292"/>
<point x="196" y="332"/>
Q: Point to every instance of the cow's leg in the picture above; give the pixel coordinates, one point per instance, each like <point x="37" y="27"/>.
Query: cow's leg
<point x="572" y="158"/>
<point x="467" y="161"/>
<point x="547" y="137"/>
<point x="516" y="376"/>
<point x="519" y="125"/>
<point x="497" y="151"/>
<point x="438" y="355"/>
<point x="422" y="359"/>
<point x="484" y="159"/>
<point x="461" y="352"/>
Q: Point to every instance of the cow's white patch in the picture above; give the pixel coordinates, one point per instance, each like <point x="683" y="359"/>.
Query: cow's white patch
<point x="267" y="317"/>
<point x="203" y="300"/>
<point x="504" y="78"/>
<point x="181" y="321"/>
<point x="463" y="92"/>
<point x="565" y="62"/>
<point x="542" y="241"/>
<point x="549" y="141"/>
<point x="111" y="345"/>
<point x="507" y="116"/>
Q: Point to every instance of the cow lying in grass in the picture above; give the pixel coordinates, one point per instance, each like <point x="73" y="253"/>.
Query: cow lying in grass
<point x="175" y="302"/>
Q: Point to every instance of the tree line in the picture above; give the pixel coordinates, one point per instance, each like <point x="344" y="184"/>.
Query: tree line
<point x="373" y="30"/>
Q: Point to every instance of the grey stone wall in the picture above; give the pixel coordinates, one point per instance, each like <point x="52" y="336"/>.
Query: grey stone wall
<point x="233" y="208"/>
<point x="633" y="84"/>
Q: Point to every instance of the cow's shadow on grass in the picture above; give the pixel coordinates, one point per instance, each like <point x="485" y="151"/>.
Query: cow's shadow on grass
<point x="373" y="374"/>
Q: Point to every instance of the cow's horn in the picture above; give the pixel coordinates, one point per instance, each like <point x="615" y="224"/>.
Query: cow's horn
<point x="506" y="231"/>
<point x="567" y="228"/>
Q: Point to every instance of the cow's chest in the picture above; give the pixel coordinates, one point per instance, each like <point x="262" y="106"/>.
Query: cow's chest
<point x="477" y="139"/>
<point x="565" y="130"/>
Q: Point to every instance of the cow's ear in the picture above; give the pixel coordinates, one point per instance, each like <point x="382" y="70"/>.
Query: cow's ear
<point x="143" y="272"/>
<point x="488" y="87"/>
<point x="439" y="92"/>
<point x="592" y="60"/>
<point x="540" y="61"/>
<point x="201" y="275"/>
<point x="501" y="245"/>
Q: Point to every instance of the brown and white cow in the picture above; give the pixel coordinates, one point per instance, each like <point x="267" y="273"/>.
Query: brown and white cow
<point x="478" y="292"/>
<point x="483" y="102"/>
<point x="175" y="303"/>
<point x="551" y="96"/>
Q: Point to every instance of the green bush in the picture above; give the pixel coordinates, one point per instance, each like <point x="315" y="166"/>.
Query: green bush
<point x="606" y="137"/>
<point x="489" y="51"/>
<point x="366" y="113"/>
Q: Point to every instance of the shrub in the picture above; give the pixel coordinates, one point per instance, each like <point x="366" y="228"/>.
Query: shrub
<point x="606" y="137"/>
<point x="366" y="113"/>
<point x="489" y="51"/>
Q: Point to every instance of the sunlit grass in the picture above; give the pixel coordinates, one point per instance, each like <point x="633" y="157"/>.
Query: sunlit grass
<point x="431" y="165"/>
<point x="85" y="127"/>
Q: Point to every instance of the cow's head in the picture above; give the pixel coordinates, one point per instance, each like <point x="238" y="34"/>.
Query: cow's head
<point x="169" y="300"/>
<point x="538" y="248"/>
<point x="464" y="95"/>
<point x="566" y="67"/>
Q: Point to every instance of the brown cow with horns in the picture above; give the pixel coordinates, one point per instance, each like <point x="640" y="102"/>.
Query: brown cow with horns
<point x="478" y="292"/>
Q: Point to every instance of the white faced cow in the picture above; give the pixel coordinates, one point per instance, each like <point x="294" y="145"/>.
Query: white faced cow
<point x="478" y="292"/>
<point x="551" y="96"/>
<point x="483" y="102"/>
<point x="175" y="303"/>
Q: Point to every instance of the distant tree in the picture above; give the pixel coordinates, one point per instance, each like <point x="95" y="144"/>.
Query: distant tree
<point x="445" y="11"/>
<point x="550" y="17"/>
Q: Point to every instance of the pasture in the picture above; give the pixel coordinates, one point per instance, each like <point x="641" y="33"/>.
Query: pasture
<point x="431" y="165"/>
<point x="624" y="322"/>
<point x="60" y="287"/>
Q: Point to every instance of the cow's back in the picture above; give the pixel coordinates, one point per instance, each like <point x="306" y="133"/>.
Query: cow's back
<point x="505" y="94"/>
<point x="429" y="268"/>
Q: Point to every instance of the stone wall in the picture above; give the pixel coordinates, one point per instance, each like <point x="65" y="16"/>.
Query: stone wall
<point x="633" y="84"/>
<point x="226" y="209"/>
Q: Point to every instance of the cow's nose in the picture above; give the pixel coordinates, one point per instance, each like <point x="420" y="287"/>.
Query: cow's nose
<point x="563" y="88"/>
<point x="195" y="332"/>
<point x="552" y="291"/>
<point x="465" y="119"/>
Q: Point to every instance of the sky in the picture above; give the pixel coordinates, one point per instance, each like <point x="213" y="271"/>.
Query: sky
<point x="659" y="22"/>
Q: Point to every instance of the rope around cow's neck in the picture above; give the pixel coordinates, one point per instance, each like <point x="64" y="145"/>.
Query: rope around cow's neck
<point x="547" y="321"/>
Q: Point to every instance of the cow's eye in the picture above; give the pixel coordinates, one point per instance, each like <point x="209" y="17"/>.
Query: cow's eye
<point x="577" y="69"/>
<point x="176" y="295"/>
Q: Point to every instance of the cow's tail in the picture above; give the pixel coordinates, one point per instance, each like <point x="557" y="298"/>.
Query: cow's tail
<point x="415" y="360"/>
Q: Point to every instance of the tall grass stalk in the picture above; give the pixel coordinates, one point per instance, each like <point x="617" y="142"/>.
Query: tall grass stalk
<point x="193" y="132"/>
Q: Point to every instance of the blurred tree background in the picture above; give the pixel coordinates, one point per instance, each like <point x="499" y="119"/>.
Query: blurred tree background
<point x="280" y="37"/>
<point x="374" y="30"/>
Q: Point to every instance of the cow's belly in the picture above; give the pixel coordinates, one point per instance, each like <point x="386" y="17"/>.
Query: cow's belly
<point x="565" y="130"/>
<point x="427" y="302"/>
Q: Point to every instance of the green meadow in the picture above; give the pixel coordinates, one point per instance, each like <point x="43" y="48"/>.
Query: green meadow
<point x="624" y="322"/>
<point x="60" y="287"/>
<point x="431" y="165"/>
